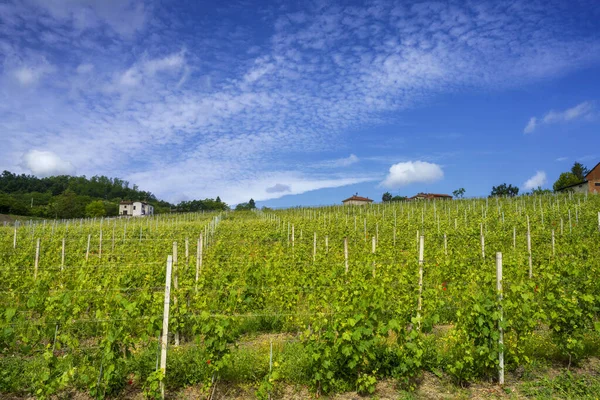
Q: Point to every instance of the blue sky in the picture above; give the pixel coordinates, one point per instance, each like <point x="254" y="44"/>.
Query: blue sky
<point x="300" y="103"/>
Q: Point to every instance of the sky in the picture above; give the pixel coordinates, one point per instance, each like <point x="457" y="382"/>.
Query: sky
<point x="300" y="103"/>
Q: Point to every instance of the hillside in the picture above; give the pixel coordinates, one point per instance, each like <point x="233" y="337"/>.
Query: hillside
<point x="67" y="196"/>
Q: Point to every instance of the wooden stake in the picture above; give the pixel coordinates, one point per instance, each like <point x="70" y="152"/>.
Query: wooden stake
<point x="165" y="328"/>
<point x="15" y="235"/>
<point x="62" y="255"/>
<point x="346" y="253"/>
<point x="87" y="252"/>
<point x="175" y="284"/>
<point x="100" y="246"/>
<point x="37" y="259"/>
<point x="553" y="252"/>
<point x="529" y="251"/>
<point x="500" y="329"/>
<point x="445" y="244"/>
<point x="421" y="260"/>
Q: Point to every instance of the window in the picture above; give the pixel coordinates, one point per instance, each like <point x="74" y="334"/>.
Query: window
<point x="597" y="184"/>
<point x="124" y="206"/>
<point x="134" y="207"/>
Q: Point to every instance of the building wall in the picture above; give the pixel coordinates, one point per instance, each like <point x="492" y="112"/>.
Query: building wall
<point x="582" y="188"/>
<point x="125" y="207"/>
<point x="356" y="202"/>
<point x="594" y="180"/>
<point x="142" y="209"/>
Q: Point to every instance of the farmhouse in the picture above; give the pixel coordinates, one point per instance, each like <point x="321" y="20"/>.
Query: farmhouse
<point x="135" y="208"/>
<point x="591" y="183"/>
<point x="430" y="196"/>
<point x="357" y="200"/>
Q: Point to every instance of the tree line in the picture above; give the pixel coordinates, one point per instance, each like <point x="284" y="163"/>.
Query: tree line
<point x="574" y="176"/>
<point x="67" y="196"/>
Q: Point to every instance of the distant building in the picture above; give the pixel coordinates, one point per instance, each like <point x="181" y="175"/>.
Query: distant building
<point x="135" y="208"/>
<point x="430" y="196"/>
<point x="591" y="183"/>
<point x="357" y="200"/>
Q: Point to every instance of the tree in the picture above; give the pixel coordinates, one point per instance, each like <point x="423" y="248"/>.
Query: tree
<point x="539" y="191"/>
<point x="242" y="207"/>
<point x="399" y="198"/>
<point x="459" y="193"/>
<point x="95" y="209"/>
<point x="565" y="179"/>
<point x="251" y="204"/>
<point x="504" y="190"/>
<point x="580" y="171"/>
<point x="218" y="199"/>
<point x="387" y="196"/>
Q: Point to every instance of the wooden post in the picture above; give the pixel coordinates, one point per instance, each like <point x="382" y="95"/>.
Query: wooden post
<point x="421" y="261"/>
<point x="187" y="251"/>
<point x="445" y="244"/>
<point x="175" y="284"/>
<point x="165" y="328"/>
<point x="553" y="252"/>
<point x="292" y="236"/>
<point x="482" y="246"/>
<point x="373" y="245"/>
<point x="346" y="253"/>
<point x="500" y="329"/>
<point x="62" y="255"/>
<point x="529" y="251"/>
<point x="326" y="244"/>
<point x="15" y="235"/>
<point x="100" y="246"/>
<point x="37" y="259"/>
<point x="561" y="227"/>
<point x="87" y="252"/>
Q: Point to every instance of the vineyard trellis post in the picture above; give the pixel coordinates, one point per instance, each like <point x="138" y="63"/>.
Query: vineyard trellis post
<point x="346" y="254"/>
<point x="175" y="285"/>
<point x="500" y="320"/>
<point x="421" y="261"/>
<point x="165" y="327"/>
<point x="62" y="255"/>
<point x="37" y="259"/>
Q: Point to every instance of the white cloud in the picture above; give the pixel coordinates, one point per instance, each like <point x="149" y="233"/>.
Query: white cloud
<point x="405" y="173"/>
<point x="28" y="75"/>
<point x="85" y="68"/>
<point x="170" y="62"/>
<point x="338" y="163"/>
<point x="561" y="159"/>
<point x="539" y="179"/>
<point x="46" y="163"/>
<point x="583" y="111"/>
<point x="530" y="125"/>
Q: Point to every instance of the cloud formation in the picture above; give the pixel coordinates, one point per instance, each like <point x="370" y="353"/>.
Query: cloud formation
<point x="46" y="163"/>
<point x="405" y="173"/>
<point x="583" y="110"/>
<point x="242" y="105"/>
<point x="538" y="180"/>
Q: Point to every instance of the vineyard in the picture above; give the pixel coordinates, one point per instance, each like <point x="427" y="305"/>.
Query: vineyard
<point x="346" y="295"/>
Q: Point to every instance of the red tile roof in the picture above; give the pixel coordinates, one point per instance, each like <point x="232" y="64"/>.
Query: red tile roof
<point x="357" y="198"/>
